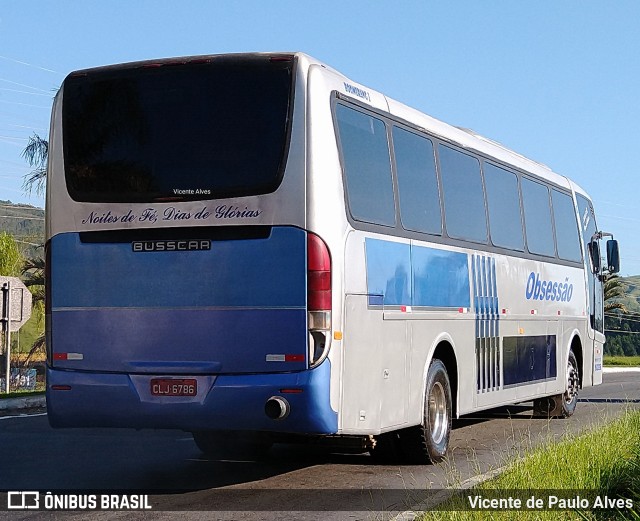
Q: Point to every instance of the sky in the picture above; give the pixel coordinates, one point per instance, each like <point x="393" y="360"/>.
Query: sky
<point x="558" y="82"/>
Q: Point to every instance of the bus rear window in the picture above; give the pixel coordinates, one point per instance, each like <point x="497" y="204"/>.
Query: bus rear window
<point x="212" y="128"/>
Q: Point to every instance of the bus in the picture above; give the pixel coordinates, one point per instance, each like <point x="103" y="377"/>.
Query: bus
<point x="254" y="247"/>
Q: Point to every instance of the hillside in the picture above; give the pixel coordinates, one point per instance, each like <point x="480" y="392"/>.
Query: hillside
<point x="631" y="299"/>
<point x="25" y="223"/>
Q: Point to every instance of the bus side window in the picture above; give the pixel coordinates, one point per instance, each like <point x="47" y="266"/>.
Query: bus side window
<point x="503" y="201"/>
<point x="464" y="209"/>
<point x="537" y="218"/>
<point x="417" y="182"/>
<point x="567" y="238"/>
<point x="367" y="166"/>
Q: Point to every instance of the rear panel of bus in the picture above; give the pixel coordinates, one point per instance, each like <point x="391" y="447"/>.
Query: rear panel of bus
<point x="184" y="289"/>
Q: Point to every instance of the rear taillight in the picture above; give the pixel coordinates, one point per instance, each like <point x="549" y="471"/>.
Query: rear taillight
<point x="318" y="274"/>
<point x="318" y="298"/>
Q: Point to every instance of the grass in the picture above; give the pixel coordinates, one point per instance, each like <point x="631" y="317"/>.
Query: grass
<point x="632" y="361"/>
<point x="603" y="462"/>
<point x="22" y="394"/>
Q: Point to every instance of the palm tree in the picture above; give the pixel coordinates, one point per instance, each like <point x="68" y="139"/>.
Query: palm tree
<point x="33" y="277"/>
<point x="36" y="153"/>
<point x="614" y="288"/>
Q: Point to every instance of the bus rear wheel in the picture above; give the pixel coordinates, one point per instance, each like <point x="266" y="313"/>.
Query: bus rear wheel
<point x="428" y="443"/>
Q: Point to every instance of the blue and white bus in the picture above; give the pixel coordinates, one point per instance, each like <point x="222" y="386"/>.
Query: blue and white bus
<point x="254" y="246"/>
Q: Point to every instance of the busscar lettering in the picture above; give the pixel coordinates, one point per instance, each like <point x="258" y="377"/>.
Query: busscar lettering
<point x="185" y="245"/>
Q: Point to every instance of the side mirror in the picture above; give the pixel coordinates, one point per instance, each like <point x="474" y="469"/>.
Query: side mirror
<point x="613" y="256"/>
<point x="594" y="253"/>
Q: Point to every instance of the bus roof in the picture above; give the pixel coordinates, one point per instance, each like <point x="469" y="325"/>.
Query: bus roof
<point x="463" y="137"/>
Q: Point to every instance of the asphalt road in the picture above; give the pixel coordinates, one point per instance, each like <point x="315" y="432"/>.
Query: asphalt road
<point x="326" y="483"/>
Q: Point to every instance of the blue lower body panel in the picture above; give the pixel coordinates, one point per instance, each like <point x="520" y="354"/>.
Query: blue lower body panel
<point x="142" y="340"/>
<point x="223" y="402"/>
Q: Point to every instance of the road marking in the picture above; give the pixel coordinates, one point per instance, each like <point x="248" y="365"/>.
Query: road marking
<point x="23" y="416"/>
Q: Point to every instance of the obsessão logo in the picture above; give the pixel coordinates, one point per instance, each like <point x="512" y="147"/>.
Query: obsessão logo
<point x="537" y="289"/>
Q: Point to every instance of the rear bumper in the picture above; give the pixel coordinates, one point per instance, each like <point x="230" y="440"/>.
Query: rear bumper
<point x="224" y="402"/>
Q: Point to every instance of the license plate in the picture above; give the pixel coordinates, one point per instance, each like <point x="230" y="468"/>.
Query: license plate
<point x="174" y="387"/>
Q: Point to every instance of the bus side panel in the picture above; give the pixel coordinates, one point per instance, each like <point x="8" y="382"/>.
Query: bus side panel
<point x="401" y="297"/>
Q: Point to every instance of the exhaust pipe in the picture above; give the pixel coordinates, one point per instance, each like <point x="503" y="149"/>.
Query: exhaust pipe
<point x="277" y="408"/>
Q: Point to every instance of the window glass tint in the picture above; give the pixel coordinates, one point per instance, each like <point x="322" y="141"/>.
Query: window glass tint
<point x="587" y="221"/>
<point x="463" y="195"/>
<point x="417" y="182"/>
<point x="567" y="239"/>
<point x="195" y="130"/>
<point x="503" y="200"/>
<point x="588" y="228"/>
<point x="537" y="218"/>
<point x="365" y="152"/>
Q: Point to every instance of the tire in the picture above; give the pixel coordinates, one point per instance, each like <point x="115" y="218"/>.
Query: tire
<point x="232" y="445"/>
<point x="562" y="405"/>
<point x="428" y="443"/>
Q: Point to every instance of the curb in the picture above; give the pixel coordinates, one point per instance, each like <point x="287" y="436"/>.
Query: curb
<point x="620" y="369"/>
<point x="17" y="404"/>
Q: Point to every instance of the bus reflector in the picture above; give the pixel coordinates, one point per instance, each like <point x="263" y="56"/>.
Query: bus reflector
<point x="68" y="356"/>
<point x="284" y="358"/>
<point x="291" y="391"/>
<point x="60" y="387"/>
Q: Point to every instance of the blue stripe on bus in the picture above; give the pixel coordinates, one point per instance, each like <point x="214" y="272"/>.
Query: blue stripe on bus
<point x="232" y="402"/>
<point x="403" y="274"/>
<point x="248" y="273"/>
<point x="440" y="278"/>
<point x="203" y="341"/>
<point x="488" y="354"/>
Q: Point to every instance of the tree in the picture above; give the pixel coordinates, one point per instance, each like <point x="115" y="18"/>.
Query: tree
<point x="36" y="154"/>
<point x="33" y="274"/>
<point x="613" y="289"/>
<point x="11" y="258"/>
